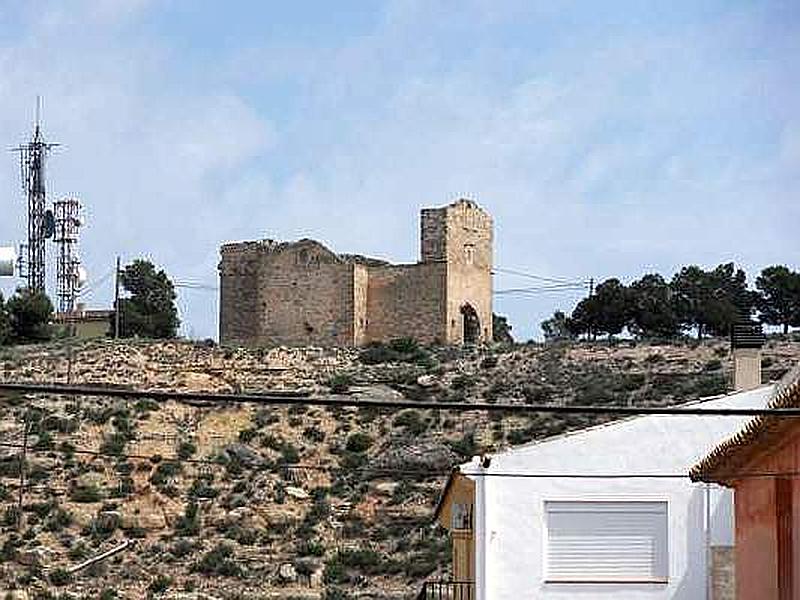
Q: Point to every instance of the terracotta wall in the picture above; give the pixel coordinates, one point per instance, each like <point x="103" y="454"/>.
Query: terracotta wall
<point x="768" y="526"/>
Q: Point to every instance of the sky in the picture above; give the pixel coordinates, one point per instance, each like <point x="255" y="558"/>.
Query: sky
<point x="607" y="139"/>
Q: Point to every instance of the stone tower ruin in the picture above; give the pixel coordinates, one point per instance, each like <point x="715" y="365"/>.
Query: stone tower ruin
<point x="302" y="293"/>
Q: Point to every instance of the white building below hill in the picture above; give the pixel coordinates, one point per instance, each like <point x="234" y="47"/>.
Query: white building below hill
<point x="608" y="512"/>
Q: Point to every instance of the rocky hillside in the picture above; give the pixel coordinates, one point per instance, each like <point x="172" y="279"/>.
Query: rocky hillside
<point x="248" y="501"/>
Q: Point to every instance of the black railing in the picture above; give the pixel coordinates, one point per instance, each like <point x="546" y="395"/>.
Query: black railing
<point x="447" y="590"/>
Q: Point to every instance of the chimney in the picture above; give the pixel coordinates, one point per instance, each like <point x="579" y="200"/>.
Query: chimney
<point x="747" y="339"/>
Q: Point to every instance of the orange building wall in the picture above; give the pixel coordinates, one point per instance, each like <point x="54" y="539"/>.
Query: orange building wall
<point x="762" y="538"/>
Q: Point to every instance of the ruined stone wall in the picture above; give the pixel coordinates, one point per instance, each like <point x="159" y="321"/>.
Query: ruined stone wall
<point x="306" y="297"/>
<point x="433" y="234"/>
<point x="301" y="293"/>
<point x="406" y="301"/>
<point x="360" y="296"/>
<point x="239" y="317"/>
<point x="468" y="246"/>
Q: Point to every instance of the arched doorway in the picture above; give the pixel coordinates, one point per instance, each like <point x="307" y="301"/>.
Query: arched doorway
<point x="471" y="324"/>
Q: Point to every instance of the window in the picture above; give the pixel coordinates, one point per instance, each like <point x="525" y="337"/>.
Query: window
<point x="469" y="254"/>
<point x="607" y="542"/>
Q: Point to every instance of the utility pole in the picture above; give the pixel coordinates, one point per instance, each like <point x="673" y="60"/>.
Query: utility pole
<point x="22" y="463"/>
<point x="116" y="300"/>
<point x="591" y="293"/>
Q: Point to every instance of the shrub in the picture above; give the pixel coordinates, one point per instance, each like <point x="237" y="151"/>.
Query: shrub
<point x="189" y="523"/>
<point x="186" y="450"/>
<point x="85" y="493"/>
<point x="311" y="548"/>
<point x="402" y="492"/>
<point x="358" y="442"/>
<point x="465" y="446"/>
<point x="412" y="421"/>
<point x="340" y="383"/>
<point x="463" y="381"/>
<point x="266" y="417"/>
<point x="218" y="561"/>
<point x="247" y="435"/>
<point x="202" y="488"/>
<point x="399" y="350"/>
<point x="114" y="444"/>
<point x="165" y="472"/>
<point x="160" y="584"/>
<point x="103" y="525"/>
<point x="60" y="577"/>
<point x="314" y="433"/>
<point x="490" y="362"/>
<point x="58" y="520"/>
<point x="183" y="548"/>
<point x="289" y="454"/>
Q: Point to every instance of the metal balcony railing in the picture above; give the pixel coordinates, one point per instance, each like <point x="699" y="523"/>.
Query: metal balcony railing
<point x="447" y="590"/>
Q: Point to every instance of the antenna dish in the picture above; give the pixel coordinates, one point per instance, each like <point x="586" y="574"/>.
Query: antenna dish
<point x="8" y="261"/>
<point x="83" y="277"/>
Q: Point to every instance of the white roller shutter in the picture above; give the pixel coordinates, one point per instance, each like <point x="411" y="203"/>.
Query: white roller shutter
<point x="607" y="541"/>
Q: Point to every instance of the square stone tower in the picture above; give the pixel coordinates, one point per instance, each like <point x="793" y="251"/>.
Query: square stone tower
<point x="460" y="236"/>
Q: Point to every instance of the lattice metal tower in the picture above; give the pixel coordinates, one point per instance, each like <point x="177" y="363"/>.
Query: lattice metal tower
<point x="67" y="213"/>
<point x="32" y="159"/>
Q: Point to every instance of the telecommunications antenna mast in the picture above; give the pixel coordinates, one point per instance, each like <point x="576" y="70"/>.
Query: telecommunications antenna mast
<point x="70" y="276"/>
<point x="41" y="223"/>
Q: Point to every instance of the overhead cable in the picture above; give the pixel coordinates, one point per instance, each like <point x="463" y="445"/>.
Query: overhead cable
<point x="304" y="398"/>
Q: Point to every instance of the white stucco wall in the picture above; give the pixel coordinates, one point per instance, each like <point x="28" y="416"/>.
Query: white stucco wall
<point x="510" y="519"/>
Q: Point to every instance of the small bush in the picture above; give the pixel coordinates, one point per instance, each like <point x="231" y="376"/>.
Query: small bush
<point x="189" y="524"/>
<point x="463" y="381"/>
<point x="358" y="442"/>
<point x="183" y="548"/>
<point x="399" y="350"/>
<point x="165" y="472"/>
<point x="412" y="421"/>
<point x="186" y="450"/>
<point x="202" y="488"/>
<point x="314" y="434"/>
<point x="218" y="561"/>
<point x="114" y="444"/>
<point x="311" y="548"/>
<point x="85" y="493"/>
<point x="160" y="584"/>
<point x="465" y="446"/>
<point x="340" y="383"/>
<point x="60" y="577"/>
<point x="247" y="435"/>
<point x="490" y="362"/>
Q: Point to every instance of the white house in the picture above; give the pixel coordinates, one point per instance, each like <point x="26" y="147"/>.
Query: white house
<point x="607" y="512"/>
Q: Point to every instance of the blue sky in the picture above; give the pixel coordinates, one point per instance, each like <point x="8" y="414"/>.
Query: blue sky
<point x="608" y="139"/>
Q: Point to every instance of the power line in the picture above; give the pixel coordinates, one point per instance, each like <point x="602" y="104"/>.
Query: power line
<point x="533" y="276"/>
<point x="418" y="473"/>
<point x="304" y="398"/>
<point x="565" y="287"/>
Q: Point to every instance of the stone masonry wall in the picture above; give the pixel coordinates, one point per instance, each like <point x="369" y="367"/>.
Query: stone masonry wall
<point x="239" y="317"/>
<point x="406" y="301"/>
<point x="360" y="296"/>
<point x="306" y="298"/>
<point x="469" y="233"/>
